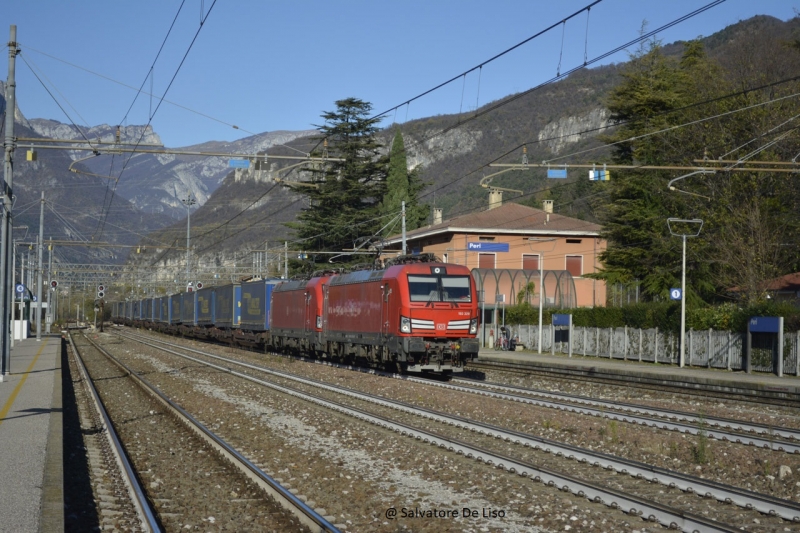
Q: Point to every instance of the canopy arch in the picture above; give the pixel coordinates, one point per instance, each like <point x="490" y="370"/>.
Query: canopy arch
<point x="504" y="285"/>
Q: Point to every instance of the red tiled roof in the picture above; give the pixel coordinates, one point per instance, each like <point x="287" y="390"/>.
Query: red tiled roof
<point x="508" y="218"/>
<point x="789" y="282"/>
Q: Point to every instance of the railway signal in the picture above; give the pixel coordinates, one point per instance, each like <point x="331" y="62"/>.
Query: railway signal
<point x="101" y="291"/>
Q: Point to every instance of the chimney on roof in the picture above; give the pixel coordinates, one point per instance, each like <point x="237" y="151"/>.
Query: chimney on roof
<point x="547" y="206"/>
<point x="437" y="215"/>
<point x="495" y="198"/>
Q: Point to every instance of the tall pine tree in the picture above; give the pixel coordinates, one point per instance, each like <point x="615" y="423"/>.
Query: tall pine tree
<point x="751" y="228"/>
<point x="640" y="246"/>
<point x="344" y="196"/>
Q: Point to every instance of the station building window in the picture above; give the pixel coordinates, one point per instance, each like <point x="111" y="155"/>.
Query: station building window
<point x="530" y="261"/>
<point x="575" y="265"/>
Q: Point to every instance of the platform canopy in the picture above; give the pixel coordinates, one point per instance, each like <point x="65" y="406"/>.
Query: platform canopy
<point x="504" y="286"/>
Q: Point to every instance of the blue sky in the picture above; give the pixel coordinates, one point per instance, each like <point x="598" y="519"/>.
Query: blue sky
<point x="277" y="65"/>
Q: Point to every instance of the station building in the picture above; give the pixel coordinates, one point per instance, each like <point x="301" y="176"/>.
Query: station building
<point x="506" y="246"/>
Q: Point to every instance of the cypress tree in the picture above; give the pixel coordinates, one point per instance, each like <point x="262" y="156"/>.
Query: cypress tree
<point x="402" y="185"/>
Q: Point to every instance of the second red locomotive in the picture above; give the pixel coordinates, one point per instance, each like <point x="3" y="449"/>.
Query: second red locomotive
<point x="417" y="315"/>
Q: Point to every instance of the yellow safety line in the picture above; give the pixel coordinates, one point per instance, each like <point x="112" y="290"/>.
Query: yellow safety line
<point x="10" y="402"/>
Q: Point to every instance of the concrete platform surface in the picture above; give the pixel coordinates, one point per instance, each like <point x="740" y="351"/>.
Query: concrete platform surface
<point x="31" y="450"/>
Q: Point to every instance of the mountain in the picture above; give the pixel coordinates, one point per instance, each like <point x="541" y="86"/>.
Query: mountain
<point x="79" y="209"/>
<point x="240" y="211"/>
<point x="158" y="183"/>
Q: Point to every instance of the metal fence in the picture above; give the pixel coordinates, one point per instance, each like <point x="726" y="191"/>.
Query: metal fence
<point x="706" y="349"/>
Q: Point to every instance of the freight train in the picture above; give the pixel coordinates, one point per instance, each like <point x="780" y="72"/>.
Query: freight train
<point x="414" y="314"/>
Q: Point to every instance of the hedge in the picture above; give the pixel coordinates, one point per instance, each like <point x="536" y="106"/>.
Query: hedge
<point x="663" y="315"/>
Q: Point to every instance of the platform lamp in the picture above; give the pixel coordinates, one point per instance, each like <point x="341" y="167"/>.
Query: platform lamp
<point x="541" y="282"/>
<point x="670" y="223"/>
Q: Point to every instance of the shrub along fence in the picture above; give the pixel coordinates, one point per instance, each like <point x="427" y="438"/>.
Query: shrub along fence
<point x="707" y="349"/>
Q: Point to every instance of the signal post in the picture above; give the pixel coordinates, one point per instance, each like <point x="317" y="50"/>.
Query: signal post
<point x="99" y="304"/>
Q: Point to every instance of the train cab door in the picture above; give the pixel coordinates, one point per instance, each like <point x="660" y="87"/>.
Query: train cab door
<point x="308" y="320"/>
<point x="385" y="317"/>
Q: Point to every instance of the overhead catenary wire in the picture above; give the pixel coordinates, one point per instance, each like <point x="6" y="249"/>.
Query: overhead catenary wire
<point x="651" y="133"/>
<point x="36" y="75"/>
<point x="55" y="87"/>
<point x="169" y="85"/>
<point x="629" y="139"/>
<point x="596" y="59"/>
<point x="152" y="66"/>
<point x="586" y="63"/>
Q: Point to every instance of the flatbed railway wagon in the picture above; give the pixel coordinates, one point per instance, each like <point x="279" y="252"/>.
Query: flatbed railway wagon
<point x="188" y="313"/>
<point x="162" y="318"/>
<point x="256" y="307"/>
<point x="417" y="314"/>
<point x="227" y="311"/>
<point x="147" y="312"/>
<point x="204" y="312"/>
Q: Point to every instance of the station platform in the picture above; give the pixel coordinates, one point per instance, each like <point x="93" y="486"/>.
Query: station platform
<point x="31" y="449"/>
<point x="755" y="384"/>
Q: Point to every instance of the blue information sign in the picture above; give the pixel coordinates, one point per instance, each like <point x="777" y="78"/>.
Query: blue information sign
<point x="765" y="324"/>
<point x="675" y="294"/>
<point x="487" y="246"/>
<point x="239" y="163"/>
<point x="20" y="288"/>
<point x="557" y="173"/>
<point x="561" y="320"/>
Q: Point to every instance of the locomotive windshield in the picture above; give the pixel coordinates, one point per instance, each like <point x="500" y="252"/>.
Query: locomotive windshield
<point x="439" y="288"/>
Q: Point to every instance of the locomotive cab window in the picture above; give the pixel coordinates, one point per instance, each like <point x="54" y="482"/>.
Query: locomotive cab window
<point x="439" y="288"/>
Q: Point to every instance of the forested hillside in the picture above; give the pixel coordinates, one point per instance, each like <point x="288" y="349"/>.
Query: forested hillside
<point x="729" y="95"/>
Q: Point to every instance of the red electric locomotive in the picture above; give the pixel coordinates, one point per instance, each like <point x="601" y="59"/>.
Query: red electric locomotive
<point x="417" y="314"/>
<point x="296" y="316"/>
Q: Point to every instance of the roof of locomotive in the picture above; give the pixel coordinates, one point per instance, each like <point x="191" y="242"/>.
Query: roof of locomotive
<point x="297" y="284"/>
<point x="395" y="271"/>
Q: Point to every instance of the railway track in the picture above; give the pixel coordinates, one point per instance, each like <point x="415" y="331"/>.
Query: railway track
<point x="122" y="499"/>
<point x="741" y="426"/>
<point x="184" y="461"/>
<point x="674" y="385"/>
<point x="738" y="431"/>
<point x="512" y="462"/>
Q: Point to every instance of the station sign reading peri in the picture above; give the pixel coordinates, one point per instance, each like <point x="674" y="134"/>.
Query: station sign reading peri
<point x="487" y="246"/>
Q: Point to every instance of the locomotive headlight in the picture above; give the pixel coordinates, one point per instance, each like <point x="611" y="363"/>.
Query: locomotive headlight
<point x="405" y="324"/>
<point x="319" y="321"/>
<point x="473" y="325"/>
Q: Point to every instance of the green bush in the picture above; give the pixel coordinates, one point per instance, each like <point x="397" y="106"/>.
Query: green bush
<point x="666" y="316"/>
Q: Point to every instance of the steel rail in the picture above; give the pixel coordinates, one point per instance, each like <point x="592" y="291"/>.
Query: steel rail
<point x="762" y="396"/>
<point x="305" y="514"/>
<point x="633" y="505"/>
<point x="747" y="499"/>
<point x="737" y="425"/>
<point x="140" y="502"/>
<point x="718" y="434"/>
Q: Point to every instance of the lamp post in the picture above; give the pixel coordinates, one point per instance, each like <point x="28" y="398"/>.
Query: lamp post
<point x="188" y="202"/>
<point x="670" y="223"/>
<point x="541" y="284"/>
